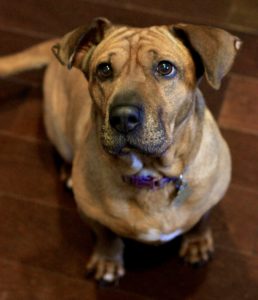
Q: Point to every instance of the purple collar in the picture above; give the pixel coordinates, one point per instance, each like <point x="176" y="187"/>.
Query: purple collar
<point x="152" y="183"/>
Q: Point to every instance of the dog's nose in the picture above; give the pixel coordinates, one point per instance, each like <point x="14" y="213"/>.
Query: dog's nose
<point x="125" y="118"/>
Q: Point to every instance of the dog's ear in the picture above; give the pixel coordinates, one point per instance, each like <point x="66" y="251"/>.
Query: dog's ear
<point x="77" y="44"/>
<point x="213" y="47"/>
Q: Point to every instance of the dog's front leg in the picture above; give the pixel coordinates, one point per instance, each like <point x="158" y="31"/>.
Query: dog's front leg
<point x="106" y="262"/>
<point x="197" y="244"/>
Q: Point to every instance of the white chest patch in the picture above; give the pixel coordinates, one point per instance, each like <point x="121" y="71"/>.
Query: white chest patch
<point x="154" y="235"/>
<point x="136" y="163"/>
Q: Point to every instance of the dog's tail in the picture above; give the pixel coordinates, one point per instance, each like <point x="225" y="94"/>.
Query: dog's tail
<point x="35" y="57"/>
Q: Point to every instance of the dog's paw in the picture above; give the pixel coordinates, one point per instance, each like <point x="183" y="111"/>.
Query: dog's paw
<point x="197" y="249"/>
<point x="105" y="269"/>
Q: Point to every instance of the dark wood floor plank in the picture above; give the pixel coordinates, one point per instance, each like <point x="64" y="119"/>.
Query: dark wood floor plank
<point x="244" y="149"/>
<point x="44" y="237"/>
<point x="19" y="281"/>
<point x="61" y="18"/>
<point x="244" y="14"/>
<point x="240" y="109"/>
<point x="15" y="41"/>
<point x="234" y="220"/>
<point x="227" y="13"/>
<point x="47" y="18"/>
<point x="29" y="170"/>
<point x="22" y="115"/>
<point x="215" y="11"/>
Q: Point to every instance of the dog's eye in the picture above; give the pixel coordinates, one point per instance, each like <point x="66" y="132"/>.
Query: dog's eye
<point x="104" y="71"/>
<point x="166" y="69"/>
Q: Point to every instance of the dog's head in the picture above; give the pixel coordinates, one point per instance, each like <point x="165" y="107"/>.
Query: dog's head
<point x="143" y="80"/>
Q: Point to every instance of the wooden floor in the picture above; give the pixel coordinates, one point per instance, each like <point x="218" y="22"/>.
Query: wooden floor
<point x="43" y="243"/>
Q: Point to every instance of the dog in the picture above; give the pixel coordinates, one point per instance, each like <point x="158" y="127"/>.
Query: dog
<point x="122" y="105"/>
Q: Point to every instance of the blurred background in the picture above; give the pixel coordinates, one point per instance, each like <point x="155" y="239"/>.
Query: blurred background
<point x="43" y="243"/>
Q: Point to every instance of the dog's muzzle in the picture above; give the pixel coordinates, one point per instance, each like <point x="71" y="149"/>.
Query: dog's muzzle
<point x="129" y="125"/>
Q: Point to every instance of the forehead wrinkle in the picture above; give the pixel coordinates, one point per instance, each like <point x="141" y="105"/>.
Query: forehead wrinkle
<point x="120" y="38"/>
<point x="152" y="34"/>
<point x="120" y="35"/>
<point x="107" y="56"/>
<point x="115" y="32"/>
<point x="113" y="52"/>
<point x="162" y="35"/>
<point x="134" y="64"/>
<point x="103" y="51"/>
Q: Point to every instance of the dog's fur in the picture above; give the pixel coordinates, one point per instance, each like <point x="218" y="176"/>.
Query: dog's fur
<point x="178" y="134"/>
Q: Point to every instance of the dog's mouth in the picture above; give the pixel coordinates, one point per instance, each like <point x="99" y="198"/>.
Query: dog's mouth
<point x="151" y="150"/>
<point x="154" y="144"/>
<point x="121" y="149"/>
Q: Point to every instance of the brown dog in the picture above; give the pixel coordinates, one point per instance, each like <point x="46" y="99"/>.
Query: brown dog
<point x="148" y="160"/>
